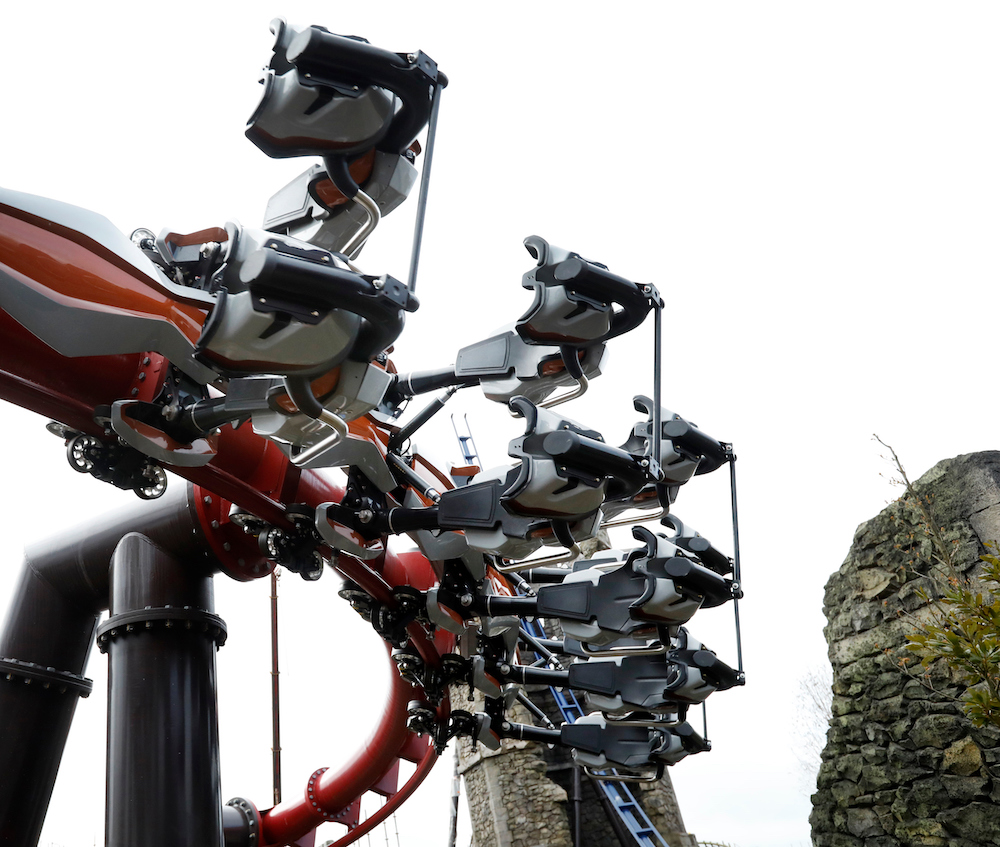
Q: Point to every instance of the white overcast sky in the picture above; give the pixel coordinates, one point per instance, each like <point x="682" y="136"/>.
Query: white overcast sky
<point x="812" y="186"/>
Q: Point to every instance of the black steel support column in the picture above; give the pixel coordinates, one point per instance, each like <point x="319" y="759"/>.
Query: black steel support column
<point x="44" y="645"/>
<point x="40" y="682"/>
<point x="163" y="733"/>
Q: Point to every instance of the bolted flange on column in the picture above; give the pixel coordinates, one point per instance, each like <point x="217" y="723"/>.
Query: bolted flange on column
<point x="163" y="732"/>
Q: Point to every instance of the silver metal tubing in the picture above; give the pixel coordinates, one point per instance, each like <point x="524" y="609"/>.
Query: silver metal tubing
<point x="425" y="179"/>
<point x="654" y="648"/>
<point x="353" y="247"/>
<point x="631" y="521"/>
<point x="581" y="388"/>
<point x="507" y="566"/>
<point x="339" y="426"/>
<point x="615" y="776"/>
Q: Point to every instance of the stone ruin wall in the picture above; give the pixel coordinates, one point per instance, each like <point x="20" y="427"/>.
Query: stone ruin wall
<point x="520" y="795"/>
<point x="902" y="765"/>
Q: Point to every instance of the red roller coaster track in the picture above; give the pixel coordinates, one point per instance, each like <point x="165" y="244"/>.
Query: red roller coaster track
<point x="253" y="474"/>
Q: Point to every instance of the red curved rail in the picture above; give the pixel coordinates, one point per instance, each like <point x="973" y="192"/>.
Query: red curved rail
<point x="334" y="791"/>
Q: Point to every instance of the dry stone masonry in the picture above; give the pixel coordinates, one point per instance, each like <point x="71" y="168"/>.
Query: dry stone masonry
<point x="521" y="795"/>
<point x="902" y="765"/>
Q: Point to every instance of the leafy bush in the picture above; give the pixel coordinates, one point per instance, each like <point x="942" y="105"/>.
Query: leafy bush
<point x="963" y="630"/>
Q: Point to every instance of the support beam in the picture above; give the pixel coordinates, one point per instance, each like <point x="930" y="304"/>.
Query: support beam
<point x="45" y="642"/>
<point x="163" y="733"/>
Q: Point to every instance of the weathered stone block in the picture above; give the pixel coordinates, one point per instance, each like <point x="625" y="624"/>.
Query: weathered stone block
<point x="837" y="839"/>
<point x="977" y="821"/>
<point x="844" y="792"/>
<point x="962" y="757"/>
<point x="930" y="758"/>
<point x="885" y="684"/>
<point x="917" y="690"/>
<point x="925" y="798"/>
<point x="876" y="583"/>
<point x="965" y="789"/>
<point x="844" y="705"/>
<point x="860" y="671"/>
<point x="877" y="734"/>
<point x="843" y="730"/>
<point x="827" y="775"/>
<point x="887" y="710"/>
<point x="849" y="766"/>
<point x="921" y="832"/>
<point x="873" y="753"/>
<point x="986" y="736"/>
<point x="900" y="729"/>
<point x="934" y="706"/>
<point x="863" y="823"/>
<point x="821" y="816"/>
<point x="875" y="777"/>
<point x="936" y="730"/>
<point x="902" y="772"/>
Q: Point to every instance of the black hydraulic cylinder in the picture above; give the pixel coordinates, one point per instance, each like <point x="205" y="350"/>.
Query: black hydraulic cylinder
<point x="44" y="644"/>
<point x="527" y="675"/>
<point x="163" y="732"/>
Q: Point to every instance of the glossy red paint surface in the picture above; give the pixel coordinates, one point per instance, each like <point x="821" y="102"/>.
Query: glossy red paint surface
<point x="71" y="269"/>
<point x="248" y="471"/>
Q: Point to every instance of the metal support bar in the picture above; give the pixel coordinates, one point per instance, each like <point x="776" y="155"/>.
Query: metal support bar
<point x="51" y="623"/>
<point x="275" y="710"/>
<point x="163" y="733"/>
<point x="737" y="578"/>
<point x="425" y="178"/>
<point x="657" y="433"/>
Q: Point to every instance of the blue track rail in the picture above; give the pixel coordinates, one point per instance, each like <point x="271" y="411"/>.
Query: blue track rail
<point x="629" y="812"/>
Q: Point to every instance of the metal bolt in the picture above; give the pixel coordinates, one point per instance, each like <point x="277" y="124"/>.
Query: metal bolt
<point x="466" y="600"/>
<point x="146" y="360"/>
<point x="207" y="500"/>
<point x="379" y="284"/>
<point x="366" y="515"/>
<point x="227" y="546"/>
<point x="142" y="376"/>
<point x="325" y="259"/>
<point x="135" y="391"/>
<point x="215" y="524"/>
